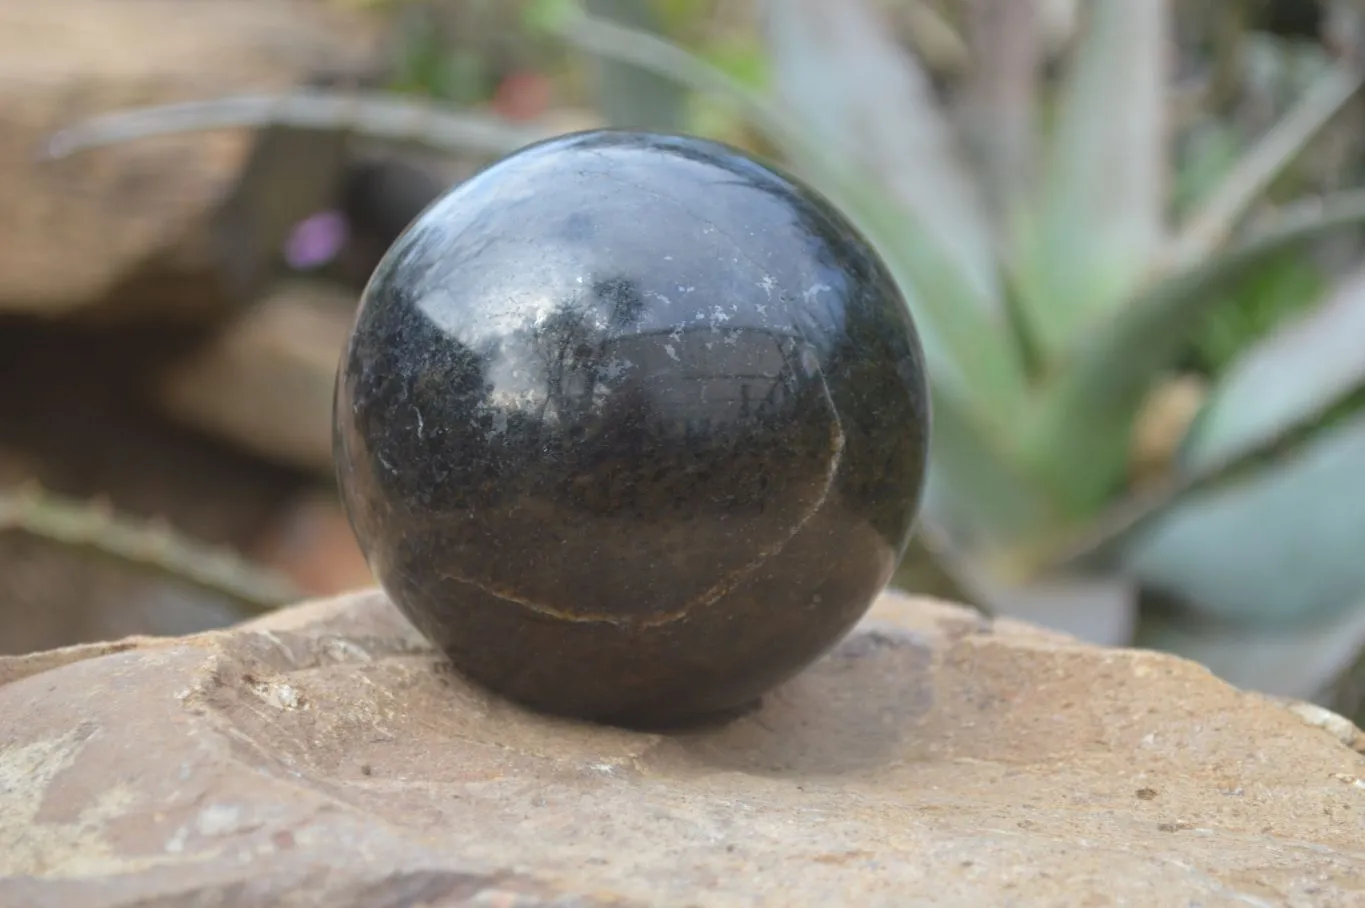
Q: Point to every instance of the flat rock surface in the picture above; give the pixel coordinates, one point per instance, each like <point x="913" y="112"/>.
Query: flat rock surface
<point x="324" y="756"/>
<point x="78" y="229"/>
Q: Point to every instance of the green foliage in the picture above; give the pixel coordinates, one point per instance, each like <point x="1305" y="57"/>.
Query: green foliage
<point x="1251" y="309"/>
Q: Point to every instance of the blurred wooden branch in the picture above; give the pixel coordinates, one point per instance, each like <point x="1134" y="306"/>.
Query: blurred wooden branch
<point x="148" y="544"/>
<point x="376" y="116"/>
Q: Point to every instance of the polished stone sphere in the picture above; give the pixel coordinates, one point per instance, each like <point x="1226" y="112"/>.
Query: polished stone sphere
<point x="632" y="427"/>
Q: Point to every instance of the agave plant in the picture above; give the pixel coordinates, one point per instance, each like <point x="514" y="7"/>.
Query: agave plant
<point x="1053" y="293"/>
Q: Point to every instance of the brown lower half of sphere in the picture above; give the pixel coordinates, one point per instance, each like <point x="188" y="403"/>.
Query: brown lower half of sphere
<point x="714" y="655"/>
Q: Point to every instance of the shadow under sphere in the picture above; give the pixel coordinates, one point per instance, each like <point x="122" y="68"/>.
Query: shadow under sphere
<point x="632" y="427"/>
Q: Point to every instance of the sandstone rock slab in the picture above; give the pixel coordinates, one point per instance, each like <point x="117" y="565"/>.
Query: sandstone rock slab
<point x="74" y="230"/>
<point x="324" y="756"/>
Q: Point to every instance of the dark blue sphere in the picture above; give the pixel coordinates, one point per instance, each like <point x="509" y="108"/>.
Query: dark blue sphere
<point x="632" y="427"/>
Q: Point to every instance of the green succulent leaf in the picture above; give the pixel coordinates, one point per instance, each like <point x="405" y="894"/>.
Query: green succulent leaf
<point x="1308" y="365"/>
<point x="1276" y="544"/>
<point x="1287" y="285"/>
<point x="869" y="104"/>
<point x="996" y="107"/>
<point x="1079" y="435"/>
<point x="1097" y="226"/>
<point x="877" y="142"/>
<point x="1294" y="516"/>
<point x="1256" y="503"/>
<point x="1252" y="440"/>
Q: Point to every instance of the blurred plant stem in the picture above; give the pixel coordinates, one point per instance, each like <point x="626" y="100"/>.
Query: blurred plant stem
<point x="93" y="526"/>
<point x="376" y="115"/>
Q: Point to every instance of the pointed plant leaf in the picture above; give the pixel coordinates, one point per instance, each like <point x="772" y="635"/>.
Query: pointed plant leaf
<point x="1080" y="434"/>
<point x="969" y="351"/>
<point x="870" y="105"/>
<point x="1303" y="367"/>
<point x="1279" y="546"/>
<point x="1098" y="224"/>
<point x="1115" y="528"/>
<point x="1296" y="662"/>
<point x="1211" y="224"/>
<point x="879" y="145"/>
<point x="1145" y="335"/>
<point x="935" y="38"/>
<point x="547" y="17"/>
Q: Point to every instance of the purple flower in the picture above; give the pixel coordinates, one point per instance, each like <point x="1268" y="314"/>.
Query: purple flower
<point x="316" y="240"/>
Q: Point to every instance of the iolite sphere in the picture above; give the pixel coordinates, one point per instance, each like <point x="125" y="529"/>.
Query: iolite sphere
<point x="632" y="427"/>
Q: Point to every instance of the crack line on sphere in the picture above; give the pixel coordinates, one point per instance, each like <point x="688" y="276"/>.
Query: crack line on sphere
<point x="717" y="590"/>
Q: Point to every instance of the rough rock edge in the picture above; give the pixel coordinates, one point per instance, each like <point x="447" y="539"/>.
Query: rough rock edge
<point x="955" y="622"/>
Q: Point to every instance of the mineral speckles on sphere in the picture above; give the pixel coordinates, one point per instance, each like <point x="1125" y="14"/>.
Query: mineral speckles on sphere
<point x="632" y="427"/>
